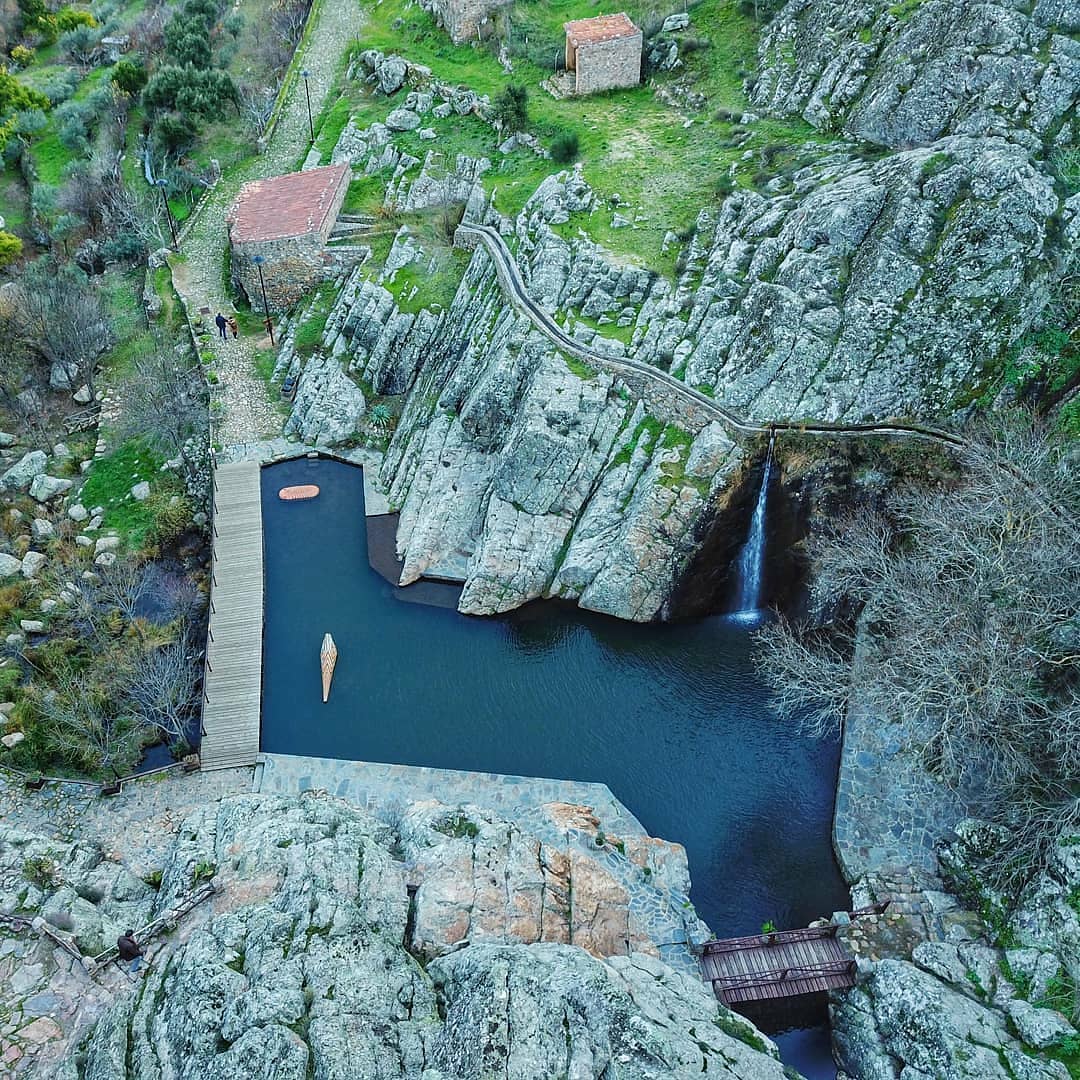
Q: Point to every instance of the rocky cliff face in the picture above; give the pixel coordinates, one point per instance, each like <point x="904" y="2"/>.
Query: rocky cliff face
<point x="907" y="74"/>
<point x="300" y="971"/>
<point x="959" y="1008"/>
<point x="875" y="282"/>
<point x="526" y="475"/>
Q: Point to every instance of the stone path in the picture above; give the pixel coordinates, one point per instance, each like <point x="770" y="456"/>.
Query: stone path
<point x="249" y="412"/>
<point x="666" y="913"/>
<point x="919" y="910"/>
<point x="654" y="383"/>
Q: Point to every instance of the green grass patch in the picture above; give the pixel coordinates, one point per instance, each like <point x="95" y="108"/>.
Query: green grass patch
<point x="416" y="287"/>
<point x="108" y="485"/>
<point x="365" y="195"/>
<point x="330" y="127"/>
<point x="630" y="143"/>
<point x="579" y="367"/>
<point x="310" y="331"/>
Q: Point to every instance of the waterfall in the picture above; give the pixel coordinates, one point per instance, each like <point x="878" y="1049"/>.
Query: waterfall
<point x="752" y="556"/>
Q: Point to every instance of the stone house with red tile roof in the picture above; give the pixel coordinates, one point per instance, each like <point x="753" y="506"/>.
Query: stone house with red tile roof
<point x="287" y="220"/>
<point x="604" y="52"/>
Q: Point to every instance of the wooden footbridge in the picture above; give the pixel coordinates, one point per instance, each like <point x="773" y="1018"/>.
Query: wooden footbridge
<point x="232" y="686"/>
<point x="784" y="964"/>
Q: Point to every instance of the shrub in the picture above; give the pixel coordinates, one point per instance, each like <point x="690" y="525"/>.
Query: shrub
<point x="80" y="43"/>
<point x="129" y="77"/>
<point x="126" y="248"/>
<point x="10" y="248"/>
<point x="512" y="108"/>
<point x="172" y="515"/>
<point x="29" y="122"/>
<point x="70" y="19"/>
<point x="188" y="90"/>
<point x="58" y="86"/>
<point x="203" y="871"/>
<point x="41" y="871"/>
<point x="565" y="147"/>
<point x="174" y="132"/>
<point x="724" y="185"/>
<point x="22" y="56"/>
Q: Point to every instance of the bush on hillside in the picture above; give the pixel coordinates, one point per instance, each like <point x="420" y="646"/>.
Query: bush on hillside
<point x="129" y="77"/>
<point x="10" y="248"/>
<point x="511" y="111"/>
<point x="564" y="149"/>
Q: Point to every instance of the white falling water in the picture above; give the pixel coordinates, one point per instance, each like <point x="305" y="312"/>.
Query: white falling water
<point x="752" y="556"/>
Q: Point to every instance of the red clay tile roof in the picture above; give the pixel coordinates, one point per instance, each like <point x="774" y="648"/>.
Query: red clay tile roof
<point x="291" y="205"/>
<point x="600" y="28"/>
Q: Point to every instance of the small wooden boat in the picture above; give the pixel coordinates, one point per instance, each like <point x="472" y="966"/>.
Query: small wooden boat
<point x="327" y="658"/>
<point x="298" y="491"/>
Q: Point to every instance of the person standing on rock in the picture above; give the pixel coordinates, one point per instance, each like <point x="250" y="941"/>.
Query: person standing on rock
<point x="222" y="326"/>
<point x="129" y="950"/>
<point x="234" y="326"/>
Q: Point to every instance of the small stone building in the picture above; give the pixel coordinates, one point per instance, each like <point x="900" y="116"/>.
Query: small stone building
<point x="287" y="220"/>
<point x="603" y="52"/>
<point x="464" y="20"/>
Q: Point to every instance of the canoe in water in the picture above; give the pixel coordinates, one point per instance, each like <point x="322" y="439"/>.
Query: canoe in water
<point x="327" y="659"/>
<point x="298" y="491"/>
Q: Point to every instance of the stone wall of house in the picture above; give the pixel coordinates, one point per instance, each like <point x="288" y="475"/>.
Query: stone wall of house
<point x="293" y="266"/>
<point x="605" y="65"/>
<point x="463" y="19"/>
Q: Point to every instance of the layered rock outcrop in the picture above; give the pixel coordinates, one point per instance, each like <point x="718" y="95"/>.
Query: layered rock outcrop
<point x="522" y="473"/>
<point x="300" y="971"/>
<point x="906" y="1021"/>
<point x="906" y="74"/>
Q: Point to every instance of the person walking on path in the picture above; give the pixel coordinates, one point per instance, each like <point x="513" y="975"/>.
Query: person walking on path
<point x="222" y="326"/>
<point x="129" y="950"/>
<point x="234" y="326"/>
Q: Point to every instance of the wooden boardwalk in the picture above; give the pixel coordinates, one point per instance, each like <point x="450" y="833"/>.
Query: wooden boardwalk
<point x="797" y="962"/>
<point x="232" y="698"/>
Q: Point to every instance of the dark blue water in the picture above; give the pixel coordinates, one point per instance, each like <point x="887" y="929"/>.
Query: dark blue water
<point x="671" y="717"/>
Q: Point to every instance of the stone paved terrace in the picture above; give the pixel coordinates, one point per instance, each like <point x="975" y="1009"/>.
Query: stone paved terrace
<point x="668" y="915"/>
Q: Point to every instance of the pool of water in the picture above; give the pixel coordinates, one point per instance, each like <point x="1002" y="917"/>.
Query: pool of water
<point x="671" y="717"/>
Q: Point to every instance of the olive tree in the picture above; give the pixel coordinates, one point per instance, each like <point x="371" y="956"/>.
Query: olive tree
<point x="56" y="313"/>
<point x="965" y="632"/>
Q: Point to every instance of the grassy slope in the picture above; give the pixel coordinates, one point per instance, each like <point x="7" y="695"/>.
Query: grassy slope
<point x="664" y="162"/>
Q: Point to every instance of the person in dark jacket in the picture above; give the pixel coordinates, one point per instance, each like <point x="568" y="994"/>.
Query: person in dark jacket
<point x="129" y="949"/>
<point x="222" y="325"/>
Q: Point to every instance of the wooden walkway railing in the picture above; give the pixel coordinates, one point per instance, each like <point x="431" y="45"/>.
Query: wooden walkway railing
<point x="783" y="964"/>
<point x="232" y="690"/>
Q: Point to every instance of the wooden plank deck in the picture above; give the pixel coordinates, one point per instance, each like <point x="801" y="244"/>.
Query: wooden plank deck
<point x="232" y="702"/>
<point x="800" y="962"/>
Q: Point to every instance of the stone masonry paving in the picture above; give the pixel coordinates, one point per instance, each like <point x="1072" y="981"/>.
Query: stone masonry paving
<point x="249" y="413"/>
<point x="669" y="915"/>
<point x="889" y="810"/>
